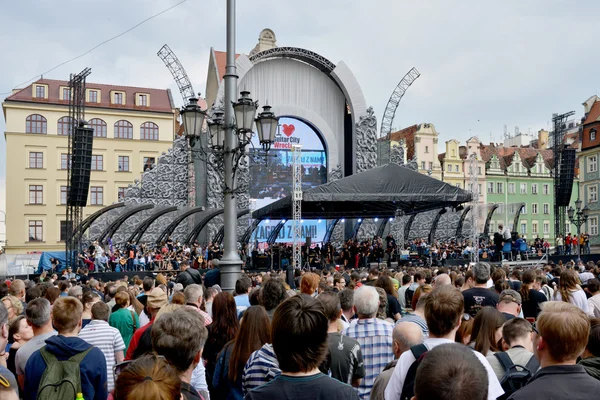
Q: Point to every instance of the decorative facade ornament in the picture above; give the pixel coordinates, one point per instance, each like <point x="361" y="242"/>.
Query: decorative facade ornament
<point x="335" y="174"/>
<point x="366" y="142"/>
<point x="397" y="154"/>
<point x="435" y="141"/>
<point x="413" y="164"/>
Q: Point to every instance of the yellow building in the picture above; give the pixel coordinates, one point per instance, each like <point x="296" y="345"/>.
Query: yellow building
<point x="132" y="127"/>
<point x="452" y="165"/>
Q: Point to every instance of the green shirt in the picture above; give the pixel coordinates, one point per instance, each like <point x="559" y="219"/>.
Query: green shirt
<point x="126" y="323"/>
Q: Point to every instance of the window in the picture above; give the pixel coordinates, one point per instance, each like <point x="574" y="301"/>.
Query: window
<point x="546" y="228"/>
<point x="592" y="135"/>
<point x="479" y="170"/>
<point x="36" y="194"/>
<point x="523" y="188"/>
<point x="65" y="230"/>
<point x="592" y="164"/>
<point x="149" y="131"/>
<point x="593" y="194"/>
<point x="97" y="162"/>
<point x="99" y="127"/>
<point x="143" y="101"/>
<point x="40" y="91"/>
<point x="546" y="189"/>
<point x="426" y="147"/>
<point x="479" y="187"/>
<point x="511" y="188"/>
<point x="35" y="123"/>
<point x="501" y="208"/>
<point x="123" y="130"/>
<point x="490" y="188"/>
<point x="65" y="125"/>
<point x="63" y="195"/>
<point x="456" y="168"/>
<point x="93" y="96"/>
<point x="431" y="166"/>
<point x="500" y="187"/>
<point x="35" y="231"/>
<point x="524" y="209"/>
<point x="36" y="159"/>
<point x="523" y="228"/>
<point x="534" y="188"/>
<point x="453" y="153"/>
<point x="64" y="161"/>
<point x="546" y="208"/>
<point x="118" y="98"/>
<point x="594" y="226"/>
<point x="449" y="168"/>
<point x="66" y="93"/>
<point x="534" y="209"/>
<point x="534" y="228"/>
<point x="96" y="195"/>
<point x="149" y="163"/>
<point x="123" y="163"/>
<point x="121" y="193"/>
<point x="422" y="164"/>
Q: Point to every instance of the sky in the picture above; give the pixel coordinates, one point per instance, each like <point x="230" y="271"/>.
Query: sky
<point x="483" y="63"/>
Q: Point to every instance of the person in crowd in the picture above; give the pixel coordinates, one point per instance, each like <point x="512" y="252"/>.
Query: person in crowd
<point x="209" y="297"/>
<point x="150" y="378"/>
<point x="13" y="305"/>
<point x="347" y="304"/>
<point x="272" y="294"/>
<point x="532" y="299"/>
<point x="468" y="281"/>
<point x="339" y="283"/>
<point x="100" y="334"/>
<point x="404" y="337"/>
<point x="509" y="304"/>
<point x="393" y="309"/>
<point x="179" y="336"/>
<point x="444" y="308"/>
<point x="561" y="333"/>
<point x="418" y="280"/>
<point x="17" y="289"/>
<point x="451" y="371"/>
<point x="480" y="296"/>
<point x="66" y="317"/>
<point x="300" y="343"/>
<point x="372" y="334"/>
<point x="570" y="291"/>
<point x="39" y="318"/>
<point x="193" y="299"/>
<point x="487" y="330"/>
<point x="124" y="319"/>
<point x="517" y="335"/>
<point x="590" y="359"/>
<point x="254" y="332"/>
<point x="75" y="291"/>
<point x="88" y="299"/>
<point x="406" y="282"/>
<point x="418" y="315"/>
<point x="141" y="341"/>
<point x="261" y="368"/>
<point x="593" y="288"/>
<point x="463" y="334"/>
<point x="344" y="361"/>
<point x="224" y="327"/>
<point x="442" y="279"/>
<point x="188" y="275"/>
<point x="243" y="286"/>
<point x="4" y="329"/>
<point x="19" y="333"/>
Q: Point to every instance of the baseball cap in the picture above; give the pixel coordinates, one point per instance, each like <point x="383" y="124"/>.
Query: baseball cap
<point x="510" y="295"/>
<point x="157" y="298"/>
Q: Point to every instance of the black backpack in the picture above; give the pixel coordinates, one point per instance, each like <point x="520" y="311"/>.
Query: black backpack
<point x="514" y="379"/>
<point x="408" y="389"/>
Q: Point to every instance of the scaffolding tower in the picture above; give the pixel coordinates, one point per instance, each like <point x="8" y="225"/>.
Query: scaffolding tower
<point x="560" y="172"/>
<point x="474" y="183"/>
<point x="297" y="205"/>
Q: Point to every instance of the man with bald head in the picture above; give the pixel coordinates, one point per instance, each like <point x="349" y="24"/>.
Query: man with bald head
<point x="441" y="280"/>
<point x="405" y="336"/>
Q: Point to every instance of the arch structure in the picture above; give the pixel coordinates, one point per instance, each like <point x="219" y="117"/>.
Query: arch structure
<point x="520" y="207"/>
<point x="205" y="219"/>
<point x="115" y="225"/>
<point x="488" y="219"/>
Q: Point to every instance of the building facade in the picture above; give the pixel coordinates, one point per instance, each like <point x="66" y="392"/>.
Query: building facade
<point x="588" y="166"/>
<point x="456" y="166"/>
<point x="421" y="146"/>
<point x="132" y="127"/>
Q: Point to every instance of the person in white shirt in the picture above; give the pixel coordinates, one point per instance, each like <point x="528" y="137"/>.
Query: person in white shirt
<point x="570" y="291"/>
<point x="593" y="288"/>
<point x="444" y="308"/>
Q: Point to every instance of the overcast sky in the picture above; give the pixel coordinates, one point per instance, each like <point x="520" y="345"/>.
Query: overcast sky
<point x="483" y="63"/>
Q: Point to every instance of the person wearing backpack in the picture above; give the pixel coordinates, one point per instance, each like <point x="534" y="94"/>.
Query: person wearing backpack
<point x="515" y="366"/>
<point x="66" y="365"/>
<point x="444" y="309"/>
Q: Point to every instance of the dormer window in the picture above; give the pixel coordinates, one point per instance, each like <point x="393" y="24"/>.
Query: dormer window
<point x="40" y="91"/>
<point x="118" y="98"/>
<point x="592" y="135"/>
<point x="143" y="100"/>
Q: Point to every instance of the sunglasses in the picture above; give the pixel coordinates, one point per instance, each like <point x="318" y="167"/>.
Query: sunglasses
<point x="534" y="328"/>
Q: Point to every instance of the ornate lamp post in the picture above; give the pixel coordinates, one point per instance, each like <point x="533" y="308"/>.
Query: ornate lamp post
<point x="578" y="217"/>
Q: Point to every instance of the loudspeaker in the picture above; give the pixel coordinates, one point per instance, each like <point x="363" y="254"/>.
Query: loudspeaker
<point x="566" y="177"/>
<point x="81" y="164"/>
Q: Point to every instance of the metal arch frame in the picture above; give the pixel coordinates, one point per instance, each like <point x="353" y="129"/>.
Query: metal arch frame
<point x="434" y="224"/>
<point x="85" y="225"/>
<point x="461" y="222"/>
<point x="356" y="228"/>
<point x="297" y="53"/>
<point x="138" y="233"/>
<point x="408" y="226"/>
<point x="517" y="216"/>
<point x="329" y="231"/>
<point x="218" y="238"/>
<point x="394" y="101"/>
<point x="248" y="234"/>
<point x="488" y="219"/>
<point x="275" y="232"/>
<point x="205" y="219"/>
<point x="179" y="75"/>
<point x="168" y="231"/>
<point x="381" y="227"/>
<point x="116" y="224"/>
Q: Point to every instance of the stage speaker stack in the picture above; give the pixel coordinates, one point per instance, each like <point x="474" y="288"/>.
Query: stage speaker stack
<point x="81" y="164"/>
<point x="566" y="177"/>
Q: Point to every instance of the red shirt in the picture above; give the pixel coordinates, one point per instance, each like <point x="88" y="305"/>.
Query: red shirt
<point x="135" y="340"/>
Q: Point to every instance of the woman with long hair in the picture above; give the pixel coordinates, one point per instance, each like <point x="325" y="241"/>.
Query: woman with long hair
<point x="531" y="299"/>
<point x="393" y="308"/>
<point x="569" y="290"/>
<point x="254" y="332"/>
<point x="150" y="378"/>
<point x="487" y="330"/>
<point x="124" y="319"/>
<point x="223" y="329"/>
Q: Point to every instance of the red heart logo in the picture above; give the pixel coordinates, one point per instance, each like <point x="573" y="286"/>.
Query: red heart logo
<point x="288" y="130"/>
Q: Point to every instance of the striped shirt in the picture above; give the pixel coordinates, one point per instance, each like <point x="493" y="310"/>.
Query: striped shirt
<point x="375" y="339"/>
<point x="417" y="320"/>
<point x="108" y="339"/>
<point x="262" y="367"/>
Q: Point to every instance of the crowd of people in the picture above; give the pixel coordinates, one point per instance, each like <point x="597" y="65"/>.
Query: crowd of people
<point x="479" y="332"/>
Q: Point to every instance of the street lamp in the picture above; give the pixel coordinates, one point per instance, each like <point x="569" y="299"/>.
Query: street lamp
<point x="578" y="217"/>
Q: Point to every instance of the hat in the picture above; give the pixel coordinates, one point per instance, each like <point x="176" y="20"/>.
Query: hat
<point x="157" y="299"/>
<point x="510" y="295"/>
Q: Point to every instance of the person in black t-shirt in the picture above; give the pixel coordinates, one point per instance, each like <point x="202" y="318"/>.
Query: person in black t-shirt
<point x="299" y="332"/>
<point x="480" y="295"/>
<point x="532" y="299"/>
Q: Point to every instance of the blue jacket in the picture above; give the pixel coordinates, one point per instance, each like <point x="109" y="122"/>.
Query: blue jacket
<point x="93" y="367"/>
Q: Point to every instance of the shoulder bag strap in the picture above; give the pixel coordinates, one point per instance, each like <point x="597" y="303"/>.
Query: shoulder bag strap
<point x="419" y="350"/>
<point x="504" y="359"/>
<point x="533" y="365"/>
<point x="133" y="321"/>
<point x="47" y="356"/>
<point x="78" y="358"/>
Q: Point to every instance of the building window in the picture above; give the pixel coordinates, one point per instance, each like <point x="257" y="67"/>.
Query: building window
<point x="35" y="231"/>
<point x="490" y="188"/>
<point x="65" y="125"/>
<point x="456" y="168"/>
<point x="123" y="130"/>
<point x="546" y="189"/>
<point x="534" y="188"/>
<point x="65" y="230"/>
<point x="96" y="195"/>
<point x="511" y="188"/>
<point x="36" y="159"/>
<point x="123" y="163"/>
<point x="99" y="127"/>
<point x="422" y="164"/>
<point x="66" y="92"/>
<point x="121" y="193"/>
<point x="523" y="188"/>
<point x="97" y="162"/>
<point x="593" y="194"/>
<point x="524" y="209"/>
<point x="143" y="99"/>
<point x="594" y="226"/>
<point x="501" y="208"/>
<point x="118" y="98"/>
<point x="36" y="194"/>
<point x="430" y="166"/>
<point x="40" y="92"/>
<point x="149" y="131"/>
<point x="149" y="163"/>
<point x="426" y="147"/>
<point x="479" y="188"/>
<point x="64" y="161"/>
<point x="592" y="135"/>
<point x="546" y="208"/>
<point x="592" y="164"/>
<point x="449" y="168"/>
<point x="534" y="228"/>
<point x="93" y="96"/>
<point x="534" y="209"/>
<point x="479" y="170"/>
<point x="523" y="228"/>
<point x="546" y="228"/>
<point x="35" y="123"/>
<point x="453" y="153"/>
<point x="500" y="187"/>
<point x="63" y="195"/>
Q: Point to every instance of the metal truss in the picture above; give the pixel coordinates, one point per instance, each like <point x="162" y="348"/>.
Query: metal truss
<point x="559" y="122"/>
<point x="297" y="205"/>
<point x="181" y="78"/>
<point x="296" y="53"/>
<point x="392" y="105"/>
<point x="474" y="183"/>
